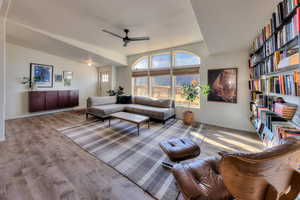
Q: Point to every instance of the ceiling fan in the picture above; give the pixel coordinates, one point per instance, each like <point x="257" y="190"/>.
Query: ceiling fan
<point x="127" y="39"/>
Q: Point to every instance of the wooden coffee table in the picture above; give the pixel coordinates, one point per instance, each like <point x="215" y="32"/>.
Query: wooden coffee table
<point x="130" y="117"/>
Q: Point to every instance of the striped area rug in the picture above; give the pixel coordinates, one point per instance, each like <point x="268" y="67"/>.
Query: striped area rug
<point x="136" y="157"/>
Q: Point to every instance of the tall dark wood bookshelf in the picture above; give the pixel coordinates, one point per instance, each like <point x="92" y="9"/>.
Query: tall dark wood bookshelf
<point x="274" y="66"/>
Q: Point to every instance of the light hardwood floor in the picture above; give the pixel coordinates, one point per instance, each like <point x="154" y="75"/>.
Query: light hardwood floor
<point x="39" y="163"/>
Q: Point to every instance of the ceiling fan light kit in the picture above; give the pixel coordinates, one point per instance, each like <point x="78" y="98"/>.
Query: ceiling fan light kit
<point x="127" y="39"/>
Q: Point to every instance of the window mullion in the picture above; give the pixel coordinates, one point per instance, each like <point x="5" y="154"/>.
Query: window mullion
<point x="173" y="84"/>
<point x="149" y="78"/>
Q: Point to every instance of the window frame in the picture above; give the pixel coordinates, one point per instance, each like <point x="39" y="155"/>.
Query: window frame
<point x="170" y="92"/>
<point x="139" y="60"/>
<point x="158" y="54"/>
<point x="184" y="66"/>
<point x="172" y="67"/>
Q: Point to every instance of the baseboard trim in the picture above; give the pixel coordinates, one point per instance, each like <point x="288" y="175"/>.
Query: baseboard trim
<point x="44" y="113"/>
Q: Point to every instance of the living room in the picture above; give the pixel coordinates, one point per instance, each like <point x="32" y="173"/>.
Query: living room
<point x="149" y="100"/>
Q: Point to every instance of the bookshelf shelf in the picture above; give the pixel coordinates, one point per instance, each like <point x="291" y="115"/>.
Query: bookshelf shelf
<point x="281" y="71"/>
<point x="274" y="67"/>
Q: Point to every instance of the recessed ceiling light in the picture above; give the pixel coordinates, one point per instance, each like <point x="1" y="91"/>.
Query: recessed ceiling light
<point x="90" y="64"/>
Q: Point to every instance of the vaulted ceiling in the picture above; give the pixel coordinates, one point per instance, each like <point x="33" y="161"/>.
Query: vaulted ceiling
<point x="79" y="23"/>
<point x="72" y="29"/>
<point x="231" y="25"/>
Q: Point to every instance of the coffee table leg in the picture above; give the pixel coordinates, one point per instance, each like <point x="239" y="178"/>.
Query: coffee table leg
<point x="109" y="122"/>
<point x="138" y="127"/>
<point x="149" y="123"/>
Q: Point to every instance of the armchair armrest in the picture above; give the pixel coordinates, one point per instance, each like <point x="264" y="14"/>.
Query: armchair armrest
<point x="186" y="182"/>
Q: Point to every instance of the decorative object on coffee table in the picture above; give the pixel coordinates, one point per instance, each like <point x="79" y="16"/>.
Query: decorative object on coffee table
<point x="41" y="75"/>
<point x="129" y="117"/>
<point x="223" y="83"/>
<point x="192" y="92"/>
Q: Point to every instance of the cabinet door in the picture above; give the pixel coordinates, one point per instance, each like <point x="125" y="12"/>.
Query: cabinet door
<point x="63" y="98"/>
<point x="74" y="98"/>
<point x="51" y="100"/>
<point x="37" y="101"/>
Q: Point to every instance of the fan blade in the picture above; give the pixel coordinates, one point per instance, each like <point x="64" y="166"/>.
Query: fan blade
<point x="116" y="35"/>
<point x="139" y="38"/>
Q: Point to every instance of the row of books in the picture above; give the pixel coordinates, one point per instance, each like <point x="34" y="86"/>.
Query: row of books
<point x="284" y="8"/>
<point x="275" y="62"/>
<point x="288" y="32"/>
<point x="288" y="84"/>
<point x="267" y="36"/>
<point x="285" y="110"/>
<point x="274" y="128"/>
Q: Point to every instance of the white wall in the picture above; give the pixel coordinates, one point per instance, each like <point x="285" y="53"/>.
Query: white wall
<point x="222" y="114"/>
<point x="18" y="66"/>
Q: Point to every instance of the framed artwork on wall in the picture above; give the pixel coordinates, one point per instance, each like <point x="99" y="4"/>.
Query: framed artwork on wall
<point x="58" y="78"/>
<point x="68" y="76"/>
<point x="223" y="84"/>
<point x="41" y="75"/>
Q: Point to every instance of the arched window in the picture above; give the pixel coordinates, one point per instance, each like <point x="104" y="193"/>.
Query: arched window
<point x="185" y="59"/>
<point x="161" y="61"/>
<point x="141" y="64"/>
<point x="163" y="75"/>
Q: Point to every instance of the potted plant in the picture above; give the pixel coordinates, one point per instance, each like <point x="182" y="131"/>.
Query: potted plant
<point x="117" y="92"/>
<point x="191" y="93"/>
<point x="27" y="81"/>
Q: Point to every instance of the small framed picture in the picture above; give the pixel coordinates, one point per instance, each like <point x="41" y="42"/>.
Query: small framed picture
<point x="41" y="75"/>
<point x="58" y="78"/>
<point x="68" y="76"/>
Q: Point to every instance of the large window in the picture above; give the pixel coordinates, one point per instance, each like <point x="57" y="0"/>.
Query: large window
<point x="141" y="86"/>
<point x="161" y="61"/>
<point x="162" y="75"/>
<point x="184" y="59"/>
<point x="141" y="64"/>
<point x="185" y="79"/>
<point x="161" y="86"/>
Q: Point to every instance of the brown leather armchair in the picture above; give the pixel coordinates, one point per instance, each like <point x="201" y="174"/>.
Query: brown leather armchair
<point x="270" y="175"/>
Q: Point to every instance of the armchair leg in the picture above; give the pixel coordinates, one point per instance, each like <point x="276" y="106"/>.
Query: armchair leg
<point x="86" y="115"/>
<point x="167" y="165"/>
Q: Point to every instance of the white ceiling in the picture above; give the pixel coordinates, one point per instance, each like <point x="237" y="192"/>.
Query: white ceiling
<point x="168" y="23"/>
<point x="74" y="27"/>
<point x="42" y="42"/>
<point x="231" y="25"/>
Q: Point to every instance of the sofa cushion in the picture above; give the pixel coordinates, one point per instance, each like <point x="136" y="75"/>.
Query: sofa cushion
<point x="104" y="110"/>
<point x="96" y="101"/>
<point x="148" y="101"/>
<point x="152" y="112"/>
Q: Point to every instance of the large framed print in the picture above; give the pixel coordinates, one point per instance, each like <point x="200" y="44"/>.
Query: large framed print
<point x="41" y="75"/>
<point x="223" y="84"/>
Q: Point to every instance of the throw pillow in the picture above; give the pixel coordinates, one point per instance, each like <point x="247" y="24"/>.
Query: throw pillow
<point x="124" y="99"/>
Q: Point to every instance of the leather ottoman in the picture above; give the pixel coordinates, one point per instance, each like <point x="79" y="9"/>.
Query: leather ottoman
<point x="180" y="149"/>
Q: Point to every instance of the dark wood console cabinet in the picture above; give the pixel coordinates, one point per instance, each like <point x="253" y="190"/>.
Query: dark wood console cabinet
<point x="52" y="99"/>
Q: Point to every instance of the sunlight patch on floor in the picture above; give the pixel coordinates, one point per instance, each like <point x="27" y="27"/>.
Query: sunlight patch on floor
<point x="241" y="145"/>
<point x="209" y="141"/>
<point x="241" y="137"/>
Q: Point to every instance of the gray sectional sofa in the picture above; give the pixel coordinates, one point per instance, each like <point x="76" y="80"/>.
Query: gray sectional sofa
<point x="156" y="109"/>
